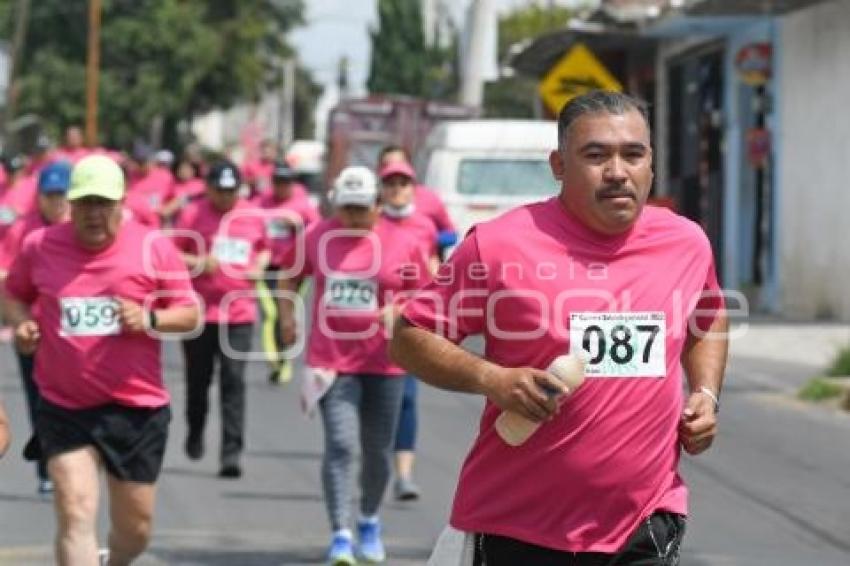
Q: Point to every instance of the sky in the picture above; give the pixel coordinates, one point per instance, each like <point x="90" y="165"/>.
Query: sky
<point x="340" y="27"/>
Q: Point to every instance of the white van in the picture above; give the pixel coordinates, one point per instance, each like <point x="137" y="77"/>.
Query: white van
<point x="481" y="168"/>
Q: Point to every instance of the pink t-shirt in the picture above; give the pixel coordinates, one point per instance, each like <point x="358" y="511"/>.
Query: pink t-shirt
<point x="285" y="219"/>
<point x="11" y="244"/>
<point x="18" y="200"/>
<point x="258" y="173"/>
<point x="420" y="227"/>
<point x="234" y="239"/>
<point x="190" y="189"/>
<point x="355" y="276"/>
<point x="147" y="193"/>
<point x="537" y="283"/>
<point x="74" y="155"/>
<point x="83" y="358"/>
<point x="427" y="202"/>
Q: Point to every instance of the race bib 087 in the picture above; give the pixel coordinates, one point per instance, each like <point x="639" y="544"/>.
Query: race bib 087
<point x="351" y="294"/>
<point x="89" y="316"/>
<point x="235" y="251"/>
<point x="620" y="344"/>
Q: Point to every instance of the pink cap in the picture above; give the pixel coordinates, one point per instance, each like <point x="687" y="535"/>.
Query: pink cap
<point x="397" y="168"/>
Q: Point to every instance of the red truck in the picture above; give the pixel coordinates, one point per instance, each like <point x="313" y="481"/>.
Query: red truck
<point x="359" y="128"/>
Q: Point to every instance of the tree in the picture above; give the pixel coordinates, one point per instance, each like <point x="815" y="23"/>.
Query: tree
<point x="402" y="63"/>
<point x="513" y="97"/>
<point x="163" y="60"/>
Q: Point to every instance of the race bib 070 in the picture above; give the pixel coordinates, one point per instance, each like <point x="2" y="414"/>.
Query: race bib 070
<point x="89" y="316"/>
<point x="235" y="251"/>
<point x="620" y="344"/>
<point x="350" y="293"/>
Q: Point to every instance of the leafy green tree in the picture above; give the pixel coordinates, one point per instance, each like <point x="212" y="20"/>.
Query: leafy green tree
<point x="402" y="63"/>
<point x="514" y="97"/>
<point x="164" y="60"/>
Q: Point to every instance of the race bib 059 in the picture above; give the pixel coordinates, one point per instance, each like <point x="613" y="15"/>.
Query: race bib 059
<point x="235" y="251"/>
<point x="351" y="294"/>
<point x="627" y="344"/>
<point x="89" y="316"/>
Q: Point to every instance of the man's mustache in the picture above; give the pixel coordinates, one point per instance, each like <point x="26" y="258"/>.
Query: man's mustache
<point x="614" y="191"/>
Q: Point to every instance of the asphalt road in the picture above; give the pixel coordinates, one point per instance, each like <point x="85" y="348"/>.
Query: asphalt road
<point x="774" y="491"/>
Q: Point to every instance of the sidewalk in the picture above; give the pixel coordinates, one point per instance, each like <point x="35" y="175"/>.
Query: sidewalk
<point x="804" y="343"/>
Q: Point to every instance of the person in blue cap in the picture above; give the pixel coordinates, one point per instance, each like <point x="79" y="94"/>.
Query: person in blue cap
<point x="53" y="183"/>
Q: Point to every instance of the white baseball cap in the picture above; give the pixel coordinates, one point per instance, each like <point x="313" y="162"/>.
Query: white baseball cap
<point x="355" y="186"/>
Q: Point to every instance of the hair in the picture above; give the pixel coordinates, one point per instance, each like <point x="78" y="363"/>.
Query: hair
<point x="598" y="102"/>
<point x="392" y="148"/>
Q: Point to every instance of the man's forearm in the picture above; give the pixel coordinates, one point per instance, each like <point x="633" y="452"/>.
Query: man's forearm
<point x="437" y="361"/>
<point x="177" y="319"/>
<point x="285" y="303"/>
<point x="704" y="357"/>
<point x="14" y="312"/>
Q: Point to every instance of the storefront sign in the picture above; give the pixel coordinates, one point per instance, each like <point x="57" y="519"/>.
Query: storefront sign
<point x="754" y="63"/>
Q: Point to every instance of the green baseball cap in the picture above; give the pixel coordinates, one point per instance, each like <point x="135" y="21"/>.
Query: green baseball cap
<point x="97" y="176"/>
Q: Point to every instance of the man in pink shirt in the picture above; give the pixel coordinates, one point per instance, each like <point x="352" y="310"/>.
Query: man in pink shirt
<point x="630" y="289"/>
<point x="362" y="267"/>
<point x="18" y="197"/>
<point x="150" y="186"/>
<point x="53" y="183"/>
<point x="287" y="214"/>
<point x="86" y="297"/>
<point x="233" y="254"/>
<point x="73" y="149"/>
<point x="398" y="182"/>
<point x="257" y="173"/>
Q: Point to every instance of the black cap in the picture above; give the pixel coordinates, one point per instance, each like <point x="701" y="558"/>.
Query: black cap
<point x="283" y="172"/>
<point x="224" y="175"/>
<point x="14" y="162"/>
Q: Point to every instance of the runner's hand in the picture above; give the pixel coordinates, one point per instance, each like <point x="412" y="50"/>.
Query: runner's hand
<point x="698" y="425"/>
<point x="210" y="264"/>
<point x="525" y="391"/>
<point x="27" y="336"/>
<point x="132" y="316"/>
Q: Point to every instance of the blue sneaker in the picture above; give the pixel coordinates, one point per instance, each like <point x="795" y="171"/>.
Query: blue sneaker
<point x="370" y="549"/>
<point x="341" y="552"/>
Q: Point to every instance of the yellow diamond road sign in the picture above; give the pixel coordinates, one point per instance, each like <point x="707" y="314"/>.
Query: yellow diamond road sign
<point x="577" y="72"/>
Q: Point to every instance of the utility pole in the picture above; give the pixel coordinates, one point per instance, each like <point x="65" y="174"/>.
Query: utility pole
<point x="22" y="16"/>
<point x="92" y="72"/>
<point x="479" y="55"/>
<point x="286" y="129"/>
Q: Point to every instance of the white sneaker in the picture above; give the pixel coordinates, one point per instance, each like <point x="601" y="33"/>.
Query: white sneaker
<point x="103" y="557"/>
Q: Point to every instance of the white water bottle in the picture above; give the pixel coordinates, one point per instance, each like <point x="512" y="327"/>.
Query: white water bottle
<point x="516" y="429"/>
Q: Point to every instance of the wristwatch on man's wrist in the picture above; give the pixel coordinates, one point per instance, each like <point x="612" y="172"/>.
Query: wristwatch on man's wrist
<point x="151" y="320"/>
<point x="711" y="395"/>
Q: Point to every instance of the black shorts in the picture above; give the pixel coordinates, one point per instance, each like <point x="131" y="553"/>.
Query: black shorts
<point x="130" y="440"/>
<point x="655" y="542"/>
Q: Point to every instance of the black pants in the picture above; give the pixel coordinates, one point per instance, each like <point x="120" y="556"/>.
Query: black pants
<point x="655" y="542"/>
<point x="26" y="363"/>
<point x="201" y="354"/>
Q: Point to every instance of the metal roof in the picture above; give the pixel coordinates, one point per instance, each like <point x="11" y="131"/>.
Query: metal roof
<point x="747" y="7"/>
<point x="541" y="54"/>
